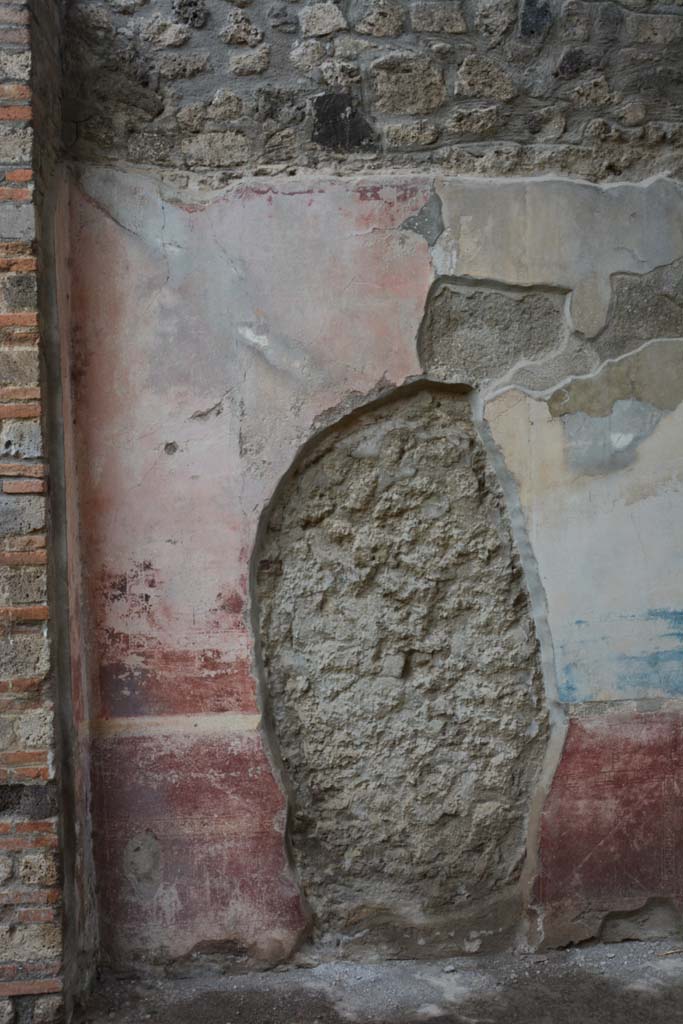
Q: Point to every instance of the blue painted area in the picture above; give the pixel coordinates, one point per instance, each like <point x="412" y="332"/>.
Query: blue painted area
<point x="659" y="670"/>
<point x="593" y="673"/>
<point x="672" y="617"/>
<point x="568" y="686"/>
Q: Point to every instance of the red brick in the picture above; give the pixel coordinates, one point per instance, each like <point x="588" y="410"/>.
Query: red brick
<point x="17" y="264"/>
<point x="30" y="988"/>
<point x="20" y="173"/>
<point x="25" y="542"/>
<point x="25" y="613"/>
<point x="18" y="319"/>
<point x="23" y="557"/>
<point x="24" y="486"/>
<point x="14" y="195"/>
<point x="12" y="393"/>
<point x="19" y="411"/>
<point x="10" y="757"/>
<point x="35" y="469"/>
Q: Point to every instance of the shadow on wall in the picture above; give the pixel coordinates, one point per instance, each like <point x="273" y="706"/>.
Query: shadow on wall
<point x="401" y="679"/>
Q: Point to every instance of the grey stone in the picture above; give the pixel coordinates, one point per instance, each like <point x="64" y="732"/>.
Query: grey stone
<point x="23" y="584"/>
<point x="21" y="513"/>
<point x="216" y="149"/>
<point x="482" y="76"/>
<point x="438" y="16"/>
<point x="19" y="365"/>
<point x="411" y="135"/>
<point x="475" y="334"/>
<point x="24" y="654"/>
<point x="402" y="669"/>
<point x="239" y="30"/>
<point x="191" y="12"/>
<point x="21" y="439"/>
<point x="321" y="19"/>
<point x="407" y="84"/>
<point x="380" y="17"/>
<point x="253" y="63"/>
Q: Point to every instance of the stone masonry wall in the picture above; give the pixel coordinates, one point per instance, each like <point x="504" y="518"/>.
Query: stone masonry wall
<point x="30" y="894"/>
<point x="403" y="680"/>
<point x="472" y="86"/>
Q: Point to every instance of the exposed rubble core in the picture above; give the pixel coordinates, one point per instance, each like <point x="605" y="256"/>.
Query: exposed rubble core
<point x="402" y="671"/>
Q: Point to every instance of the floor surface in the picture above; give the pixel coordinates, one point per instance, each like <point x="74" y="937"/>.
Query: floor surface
<point x="615" y="984"/>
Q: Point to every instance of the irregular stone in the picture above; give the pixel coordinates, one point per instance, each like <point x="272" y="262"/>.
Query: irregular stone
<point x="634" y="112"/>
<point x="414" y="135"/>
<point x="493" y="18"/>
<point x="7" y="1015"/>
<point x="474" y="121"/>
<point x="338" y="124"/>
<point x="473" y="335"/>
<point x="573" y="62"/>
<point x="6" y="869"/>
<point x="162" y="33"/>
<point x="175" y="66"/>
<point x="225" y="106"/>
<point x="340" y="74"/>
<point x="407" y="84"/>
<point x="402" y="669"/>
<point x="239" y="30"/>
<point x="253" y="63"/>
<point x="380" y="18"/>
<point x="535" y="19"/>
<point x="321" y="19"/>
<point x="216" y="149"/>
<point x="654" y="29"/>
<point x="282" y="18"/>
<point x="547" y="123"/>
<point x="575" y="21"/>
<point x="482" y="76"/>
<point x="593" y="93"/>
<point x="307" y="55"/>
<point x="191" y="12"/>
<point x="438" y="16"/>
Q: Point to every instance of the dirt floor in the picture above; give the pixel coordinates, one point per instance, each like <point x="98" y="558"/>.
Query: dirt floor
<point x="614" y="984"/>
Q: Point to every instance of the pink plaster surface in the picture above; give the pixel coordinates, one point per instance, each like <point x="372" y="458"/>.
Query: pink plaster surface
<point x="206" y="341"/>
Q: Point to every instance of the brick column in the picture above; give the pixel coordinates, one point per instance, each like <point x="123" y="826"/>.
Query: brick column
<point x="30" y="892"/>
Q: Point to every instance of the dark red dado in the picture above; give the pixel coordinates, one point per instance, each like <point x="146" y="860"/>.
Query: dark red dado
<point x="612" y="826"/>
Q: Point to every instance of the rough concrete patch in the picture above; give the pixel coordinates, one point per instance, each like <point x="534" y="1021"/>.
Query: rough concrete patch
<point x="643" y="307"/>
<point x="477" y="333"/>
<point x="653" y="374"/>
<point x="402" y="672"/>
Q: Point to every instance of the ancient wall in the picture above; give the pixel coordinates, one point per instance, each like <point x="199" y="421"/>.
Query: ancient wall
<point x="360" y="333"/>
<point x="199" y="386"/>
